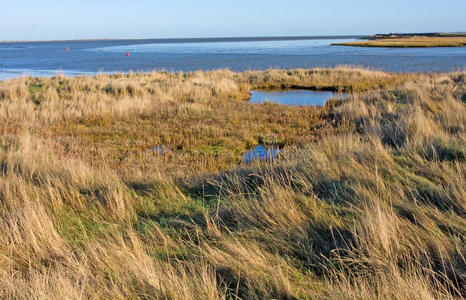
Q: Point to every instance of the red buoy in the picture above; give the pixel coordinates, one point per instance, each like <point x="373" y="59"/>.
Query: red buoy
<point x="67" y="49"/>
<point x="127" y="53"/>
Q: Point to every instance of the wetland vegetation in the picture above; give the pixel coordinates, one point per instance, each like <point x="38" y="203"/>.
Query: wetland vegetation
<point x="411" y="41"/>
<point x="135" y="186"/>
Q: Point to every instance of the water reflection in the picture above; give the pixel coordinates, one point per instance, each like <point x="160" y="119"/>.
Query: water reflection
<point x="161" y="149"/>
<point x="293" y="97"/>
<point x="261" y="153"/>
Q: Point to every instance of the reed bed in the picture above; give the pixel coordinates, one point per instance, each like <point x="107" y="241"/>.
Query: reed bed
<point x="367" y="200"/>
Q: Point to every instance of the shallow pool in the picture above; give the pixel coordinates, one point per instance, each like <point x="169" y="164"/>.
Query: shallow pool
<point x="261" y="153"/>
<point x="293" y="97"/>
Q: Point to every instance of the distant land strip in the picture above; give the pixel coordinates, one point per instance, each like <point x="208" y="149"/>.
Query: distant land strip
<point x="417" y="40"/>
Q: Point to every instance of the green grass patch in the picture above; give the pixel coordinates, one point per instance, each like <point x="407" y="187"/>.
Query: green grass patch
<point x="36" y="87"/>
<point x="81" y="228"/>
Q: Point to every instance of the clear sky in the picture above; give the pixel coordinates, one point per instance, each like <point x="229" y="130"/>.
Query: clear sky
<point x="71" y="19"/>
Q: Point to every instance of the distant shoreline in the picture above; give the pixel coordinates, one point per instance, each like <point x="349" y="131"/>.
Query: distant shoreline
<point x="413" y="40"/>
<point x="205" y="39"/>
<point x="379" y="36"/>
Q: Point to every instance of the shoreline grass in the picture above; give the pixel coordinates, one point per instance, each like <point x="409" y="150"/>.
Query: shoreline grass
<point x="366" y="202"/>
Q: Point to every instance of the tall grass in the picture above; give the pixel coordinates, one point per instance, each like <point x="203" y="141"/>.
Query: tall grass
<point x="366" y="202"/>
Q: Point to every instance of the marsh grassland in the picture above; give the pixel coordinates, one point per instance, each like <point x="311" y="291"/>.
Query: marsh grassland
<point x="367" y="199"/>
<point x="411" y="42"/>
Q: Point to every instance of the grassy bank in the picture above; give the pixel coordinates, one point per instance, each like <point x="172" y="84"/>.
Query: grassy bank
<point x="410" y="42"/>
<point x="367" y="200"/>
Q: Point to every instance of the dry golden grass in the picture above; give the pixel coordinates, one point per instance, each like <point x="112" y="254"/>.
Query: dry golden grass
<point x="367" y="201"/>
<point x="410" y="42"/>
<point x="195" y="115"/>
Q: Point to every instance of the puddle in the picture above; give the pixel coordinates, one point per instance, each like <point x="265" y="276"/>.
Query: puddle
<point x="293" y="97"/>
<point x="161" y="149"/>
<point x="261" y="153"/>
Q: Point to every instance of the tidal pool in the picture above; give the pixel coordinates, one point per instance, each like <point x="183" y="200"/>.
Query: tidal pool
<point x="293" y="97"/>
<point x="161" y="149"/>
<point x="261" y="153"/>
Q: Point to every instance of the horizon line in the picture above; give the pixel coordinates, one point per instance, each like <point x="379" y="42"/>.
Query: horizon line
<point x="232" y="38"/>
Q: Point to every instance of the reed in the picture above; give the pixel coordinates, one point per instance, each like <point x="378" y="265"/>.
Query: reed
<point x="366" y="201"/>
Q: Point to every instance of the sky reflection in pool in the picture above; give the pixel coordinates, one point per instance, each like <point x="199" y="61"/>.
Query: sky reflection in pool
<point x="161" y="149"/>
<point x="293" y="97"/>
<point x="261" y="153"/>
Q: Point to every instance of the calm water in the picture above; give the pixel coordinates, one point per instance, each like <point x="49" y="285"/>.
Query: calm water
<point x="293" y="97"/>
<point x="91" y="57"/>
<point x="261" y="153"/>
<point x="161" y="149"/>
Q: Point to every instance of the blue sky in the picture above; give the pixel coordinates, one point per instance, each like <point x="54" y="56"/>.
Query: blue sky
<point x="68" y="19"/>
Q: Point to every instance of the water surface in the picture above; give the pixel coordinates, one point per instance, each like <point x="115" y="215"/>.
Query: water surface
<point x="161" y="149"/>
<point x="293" y="97"/>
<point x="261" y="152"/>
<point x="237" y="54"/>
